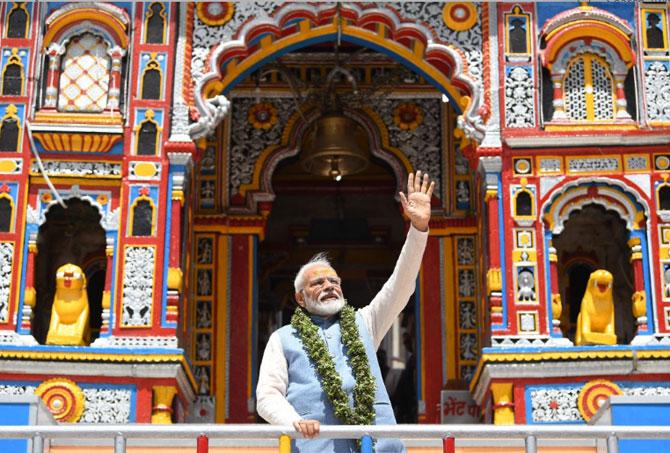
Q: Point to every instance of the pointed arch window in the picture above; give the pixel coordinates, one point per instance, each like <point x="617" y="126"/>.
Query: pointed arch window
<point x="664" y="197"/>
<point x="147" y="133"/>
<point x="6" y="213"/>
<point x="84" y="80"/>
<point x="155" y="24"/>
<point x="9" y="130"/>
<point x="143" y="215"/>
<point x="524" y="204"/>
<point x="17" y="21"/>
<point x="12" y="75"/>
<point x="152" y="80"/>
<point x="589" y="89"/>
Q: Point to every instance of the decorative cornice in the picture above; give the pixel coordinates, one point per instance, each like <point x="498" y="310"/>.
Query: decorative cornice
<point x="523" y="363"/>
<point x="610" y="139"/>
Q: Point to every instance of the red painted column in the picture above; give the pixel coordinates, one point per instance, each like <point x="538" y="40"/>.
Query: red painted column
<point x="53" y="75"/>
<point x="116" y="53"/>
<point x="430" y="374"/>
<point x="239" y="337"/>
<point x="493" y="276"/>
<point x="556" y="304"/>
<point x="107" y="292"/>
<point x="174" y="270"/>
<point x="639" y="295"/>
<point x="30" y="293"/>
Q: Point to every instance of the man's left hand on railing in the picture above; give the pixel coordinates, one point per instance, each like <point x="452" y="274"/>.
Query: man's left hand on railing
<point x="308" y="428"/>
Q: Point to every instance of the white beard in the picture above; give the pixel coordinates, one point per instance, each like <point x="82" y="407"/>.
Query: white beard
<point x="324" y="308"/>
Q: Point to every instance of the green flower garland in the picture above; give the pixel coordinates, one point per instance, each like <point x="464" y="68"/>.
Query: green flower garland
<point x="363" y="412"/>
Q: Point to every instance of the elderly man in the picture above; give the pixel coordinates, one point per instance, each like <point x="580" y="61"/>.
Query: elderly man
<point x="322" y="368"/>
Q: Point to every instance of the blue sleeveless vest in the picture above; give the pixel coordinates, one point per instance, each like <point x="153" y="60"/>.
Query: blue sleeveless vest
<point x="309" y="400"/>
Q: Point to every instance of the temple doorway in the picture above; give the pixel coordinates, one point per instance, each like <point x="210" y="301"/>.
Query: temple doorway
<point x="69" y="235"/>
<point x="358" y="223"/>
<point x="595" y="238"/>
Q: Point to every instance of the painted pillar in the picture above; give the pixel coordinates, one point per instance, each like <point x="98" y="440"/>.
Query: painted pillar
<point x="116" y="53"/>
<point x="639" y="299"/>
<point x="621" y="103"/>
<point x="429" y="301"/>
<point x="559" y="108"/>
<point x="556" y="304"/>
<point x="503" y="403"/>
<point x="161" y="409"/>
<point x="54" y="52"/>
<point x="107" y="292"/>
<point x="179" y="166"/>
<point x="30" y="297"/>
<point x="242" y="328"/>
<point x="234" y="330"/>
<point x="492" y="167"/>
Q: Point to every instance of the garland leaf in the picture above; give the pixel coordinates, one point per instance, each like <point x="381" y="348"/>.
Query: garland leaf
<point x="315" y="347"/>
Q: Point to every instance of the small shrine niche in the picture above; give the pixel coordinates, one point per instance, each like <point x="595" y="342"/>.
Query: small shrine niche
<point x="595" y="238"/>
<point x="69" y="235"/>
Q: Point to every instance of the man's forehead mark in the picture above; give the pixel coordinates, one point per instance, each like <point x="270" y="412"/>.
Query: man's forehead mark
<point x="322" y="272"/>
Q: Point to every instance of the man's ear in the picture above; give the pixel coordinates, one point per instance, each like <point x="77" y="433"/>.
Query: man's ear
<point x="300" y="298"/>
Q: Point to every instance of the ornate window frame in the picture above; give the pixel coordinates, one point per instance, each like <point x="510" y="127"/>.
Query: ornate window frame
<point x="152" y="65"/>
<point x="149" y="117"/>
<point x="131" y="216"/>
<point x="148" y="15"/>
<point x="106" y="21"/>
<point x="12" y="215"/>
<point x="8" y="13"/>
<point x="14" y="59"/>
<point x="11" y="112"/>
<point x="586" y="33"/>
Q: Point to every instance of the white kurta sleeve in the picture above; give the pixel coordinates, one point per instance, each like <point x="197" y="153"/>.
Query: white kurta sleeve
<point x="394" y="295"/>
<point x="271" y="402"/>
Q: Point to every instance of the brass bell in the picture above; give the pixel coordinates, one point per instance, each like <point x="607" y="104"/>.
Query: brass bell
<point x="335" y="147"/>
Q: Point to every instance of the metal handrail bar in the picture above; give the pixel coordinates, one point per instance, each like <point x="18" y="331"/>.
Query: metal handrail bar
<point x="252" y="431"/>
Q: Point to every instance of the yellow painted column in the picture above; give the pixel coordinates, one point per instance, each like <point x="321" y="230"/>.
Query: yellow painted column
<point x="161" y="412"/>
<point x="503" y="406"/>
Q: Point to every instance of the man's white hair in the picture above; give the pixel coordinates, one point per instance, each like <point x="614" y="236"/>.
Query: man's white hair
<point x="320" y="259"/>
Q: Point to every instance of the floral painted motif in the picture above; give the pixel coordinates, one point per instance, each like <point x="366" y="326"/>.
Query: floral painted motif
<point x="408" y="116"/>
<point x="262" y="115"/>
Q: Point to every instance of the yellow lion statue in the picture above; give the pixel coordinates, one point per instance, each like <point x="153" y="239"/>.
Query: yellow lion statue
<point x="595" y="323"/>
<point x="69" y="314"/>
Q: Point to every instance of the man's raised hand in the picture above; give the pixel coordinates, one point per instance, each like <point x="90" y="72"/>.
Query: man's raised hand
<point x="417" y="202"/>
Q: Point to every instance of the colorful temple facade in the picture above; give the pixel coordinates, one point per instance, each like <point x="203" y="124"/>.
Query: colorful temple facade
<point x="178" y="133"/>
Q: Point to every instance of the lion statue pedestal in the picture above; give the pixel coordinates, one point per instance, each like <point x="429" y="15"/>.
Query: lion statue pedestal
<point x="70" y="312"/>
<point x="595" y="323"/>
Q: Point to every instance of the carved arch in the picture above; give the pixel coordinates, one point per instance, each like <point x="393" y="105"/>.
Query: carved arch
<point x="610" y="193"/>
<point x="297" y="25"/>
<point x="260" y="187"/>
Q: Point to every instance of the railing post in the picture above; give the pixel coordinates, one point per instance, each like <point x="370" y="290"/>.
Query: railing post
<point x="203" y="444"/>
<point x="449" y="444"/>
<point x="38" y="443"/>
<point x="284" y="443"/>
<point x="612" y="444"/>
<point x="119" y="443"/>
<point x="531" y="444"/>
<point x="366" y="444"/>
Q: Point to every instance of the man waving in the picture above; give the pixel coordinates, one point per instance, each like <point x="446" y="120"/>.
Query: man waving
<point x="322" y="368"/>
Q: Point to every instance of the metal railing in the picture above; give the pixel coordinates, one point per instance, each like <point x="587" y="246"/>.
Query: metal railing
<point x="202" y="434"/>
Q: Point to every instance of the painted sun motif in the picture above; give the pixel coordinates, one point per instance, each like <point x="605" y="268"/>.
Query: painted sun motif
<point x="459" y="16"/>
<point x="262" y="115"/>
<point x="408" y="116"/>
<point x="64" y="399"/>
<point x="215" y="13"/>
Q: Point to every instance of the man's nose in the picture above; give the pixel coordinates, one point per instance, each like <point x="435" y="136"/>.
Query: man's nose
<point x="329" y="286"/>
